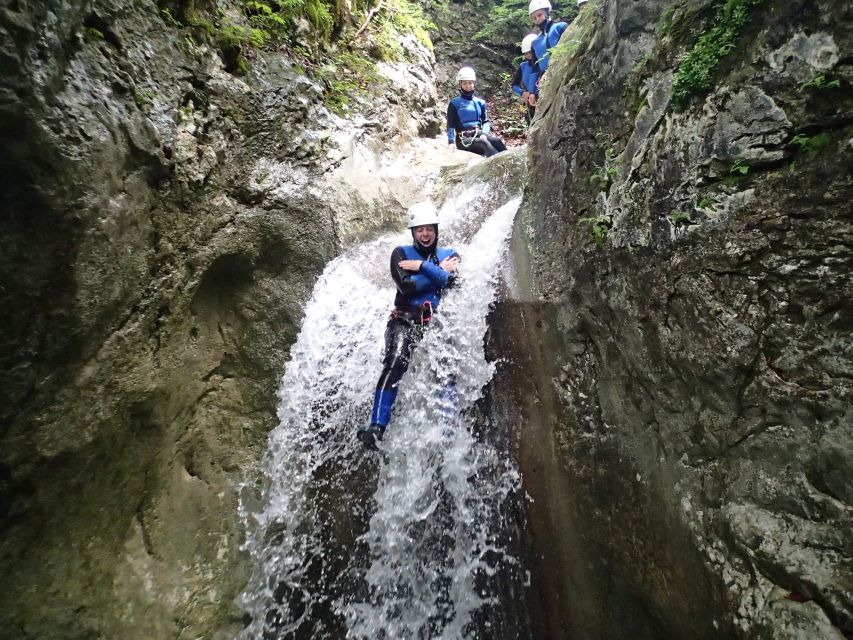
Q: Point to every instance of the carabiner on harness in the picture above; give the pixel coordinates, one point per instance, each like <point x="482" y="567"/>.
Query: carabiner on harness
<point x="426" y="312"/>
<point x="469" y="137"/>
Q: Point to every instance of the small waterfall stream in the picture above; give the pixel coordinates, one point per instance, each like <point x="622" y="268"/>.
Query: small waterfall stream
<point x="411" y="542"/>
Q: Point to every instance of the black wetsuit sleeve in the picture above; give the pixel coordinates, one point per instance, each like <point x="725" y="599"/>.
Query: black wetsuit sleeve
<point x="402" y="278"/>
<point x="453" y="117"/>
<point x="516" y="82"/>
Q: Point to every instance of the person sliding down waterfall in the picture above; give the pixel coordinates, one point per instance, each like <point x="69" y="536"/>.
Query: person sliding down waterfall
<point x="468" y="124"/>
<point x="549" y="31"/>
<point x="421" y="272"/>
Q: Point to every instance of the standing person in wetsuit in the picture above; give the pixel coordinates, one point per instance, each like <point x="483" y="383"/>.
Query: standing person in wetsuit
<point x="525" y="82"/>
<point x="468" y="124"/>
<point x="421" y="272"/>
<point x="549" y="31"/>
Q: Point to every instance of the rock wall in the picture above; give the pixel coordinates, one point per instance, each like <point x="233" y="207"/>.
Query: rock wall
<point x="163" y="224"/>
<point x="690" y="267"/>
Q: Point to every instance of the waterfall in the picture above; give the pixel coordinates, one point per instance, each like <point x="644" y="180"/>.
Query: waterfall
<point x="408" y="542"/>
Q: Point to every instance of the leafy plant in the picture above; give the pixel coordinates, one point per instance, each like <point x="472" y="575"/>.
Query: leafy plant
<point x="574" y="39"/>
<point x="606" y="171"/>
<point x="694" y="75"/>
<point x="811" y="144"/>
<point x="264" y="16"/>
<point x="90" y="34"/>
<point x="706" y="202"/>
<point x="739" y="168"/>
<point x="599" y="226"/>
<point x="345" y="76"/>
<point x="679" y="219"/>
<point x="142" y="96"/>
<point x="820" y="82"/>
<point x="509" y="22"/>
<point x="169" y="18"/>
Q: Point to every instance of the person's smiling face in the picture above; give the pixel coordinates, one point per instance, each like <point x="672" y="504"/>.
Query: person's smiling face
<point x="467" y="85"/>
<point x="425" y="234"/>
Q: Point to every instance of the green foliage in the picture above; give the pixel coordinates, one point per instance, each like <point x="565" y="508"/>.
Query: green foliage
<point x="277" y="18"/>
<point x="737" y="173"/>
<point x="636" y="96"/>
<point x="679" y="219"/>
<point x="345" y="68"/>
<point x="575" y="38"/>
<point x="812" y="144"/>
<point x="606" y="171"/>
<point x="263" y="16"/>
<point x="408" y="17"/>
<point x="399" y="18"/>
<point x="90" y="34"/>
<point x="667" y="20"/>
<point x="345" y="76"/>
<point x="739" y="168"/>
<point x="706" y="202"/>
<point x="170" y="19"/>
<point x="142" y="96"/>
<point x="508" y="23"/>
<point x="599" y="226"/>
<point x="694" y="75"/>
<point x="820" y="82"/>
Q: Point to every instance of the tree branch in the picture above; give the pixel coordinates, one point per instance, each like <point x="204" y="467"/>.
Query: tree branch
<point x="369" y="17"/>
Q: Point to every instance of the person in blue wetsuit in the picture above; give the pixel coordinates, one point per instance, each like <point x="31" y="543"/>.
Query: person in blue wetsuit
<point x="525" y="82"/>
<point x="549" y="31"/>
<point x="421" y="271"/>
<point x="468" y="124"/>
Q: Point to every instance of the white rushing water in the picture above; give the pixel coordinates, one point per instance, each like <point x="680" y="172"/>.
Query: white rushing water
<point x="403" y="544"/>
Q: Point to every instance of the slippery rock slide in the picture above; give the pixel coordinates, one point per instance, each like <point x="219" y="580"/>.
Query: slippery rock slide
<point x="420" y="540"/>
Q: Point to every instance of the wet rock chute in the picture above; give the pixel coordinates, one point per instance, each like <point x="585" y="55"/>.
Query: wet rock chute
<point x="408" y="543"/>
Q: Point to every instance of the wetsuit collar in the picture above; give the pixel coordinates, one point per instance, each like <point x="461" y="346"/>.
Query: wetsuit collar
<point x="425" y="252"/>
<point x="466" y="94"/>
<point x="546" y="24"/>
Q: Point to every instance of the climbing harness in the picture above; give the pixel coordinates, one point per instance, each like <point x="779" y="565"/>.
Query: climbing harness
<point x="469" y="136"/>
<point x="418" y="317"/>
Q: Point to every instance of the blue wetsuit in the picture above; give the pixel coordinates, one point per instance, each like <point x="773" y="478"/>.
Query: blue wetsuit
<point x="418" y="294"/>
<point x="526" y="78"/>
<point x="466" y="115"/>
<point x="549" y="35"/>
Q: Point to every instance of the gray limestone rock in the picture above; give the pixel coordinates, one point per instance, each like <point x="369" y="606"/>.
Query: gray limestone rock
<point x="163" y="224"/>
<point x="692" y="273"/>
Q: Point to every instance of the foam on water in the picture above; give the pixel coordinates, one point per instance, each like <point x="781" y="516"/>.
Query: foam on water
<point x="351" y="544"/>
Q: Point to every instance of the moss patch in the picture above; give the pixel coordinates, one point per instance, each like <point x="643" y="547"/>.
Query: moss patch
<point x="695" y="74"/>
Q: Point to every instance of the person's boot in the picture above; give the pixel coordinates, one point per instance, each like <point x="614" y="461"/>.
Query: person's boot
<point x="369" y="435"/>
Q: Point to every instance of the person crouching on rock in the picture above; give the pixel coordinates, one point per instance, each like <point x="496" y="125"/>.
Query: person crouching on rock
<point x="468" y="124"/>
<point x="525" y="82"/>
<point x="421" y="271"/>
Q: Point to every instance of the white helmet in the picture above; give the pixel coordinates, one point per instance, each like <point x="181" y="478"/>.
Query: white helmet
<point x="581" y="2"/>
<point x="535" y="5"/>
<point x="420" y="214"/>
<point x="466" y="73"/>
<point x="527" y="43"/>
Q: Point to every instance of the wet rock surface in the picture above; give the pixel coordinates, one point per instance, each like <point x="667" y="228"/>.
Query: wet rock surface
<point x="163" y="223"/>
<point x="695" y="265"/>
